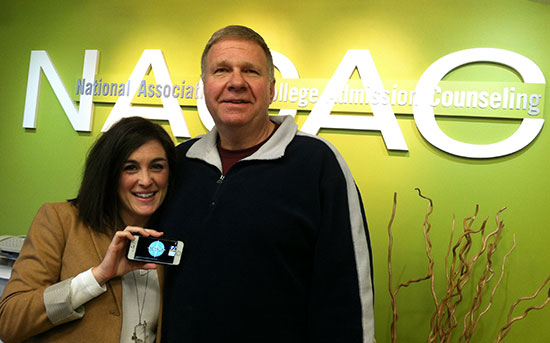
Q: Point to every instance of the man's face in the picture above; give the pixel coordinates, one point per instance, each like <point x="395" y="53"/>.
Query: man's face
<point x="237" y="88"/>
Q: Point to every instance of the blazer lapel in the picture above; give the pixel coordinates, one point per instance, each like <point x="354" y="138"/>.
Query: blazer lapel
<point x="114" y="286"/>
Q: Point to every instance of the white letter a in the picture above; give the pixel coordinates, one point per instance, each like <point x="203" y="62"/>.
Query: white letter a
<point x="383" y="118"/>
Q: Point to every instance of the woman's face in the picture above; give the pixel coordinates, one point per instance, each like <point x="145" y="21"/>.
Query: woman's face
<point x="143" y="183"/>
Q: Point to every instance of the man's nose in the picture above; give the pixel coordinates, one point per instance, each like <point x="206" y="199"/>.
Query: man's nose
<point x="237" y="80"/>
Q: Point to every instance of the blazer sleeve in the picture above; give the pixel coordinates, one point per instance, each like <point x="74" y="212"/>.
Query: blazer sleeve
<point x="35" y="299"/>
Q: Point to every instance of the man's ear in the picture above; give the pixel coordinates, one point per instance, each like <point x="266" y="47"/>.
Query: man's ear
<point x="272" y="91"/>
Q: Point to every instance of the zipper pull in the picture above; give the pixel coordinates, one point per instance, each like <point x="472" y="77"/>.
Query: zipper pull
<point x="220" y="180"/>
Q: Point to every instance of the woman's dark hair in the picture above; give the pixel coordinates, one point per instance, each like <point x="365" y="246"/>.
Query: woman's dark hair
<point x="97" y="201"/>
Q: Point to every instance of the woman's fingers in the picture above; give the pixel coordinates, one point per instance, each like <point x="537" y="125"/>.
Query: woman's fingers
<point x="115" y="263"/>
<point x="130" y="231"/>
<point x="142" y="231"/>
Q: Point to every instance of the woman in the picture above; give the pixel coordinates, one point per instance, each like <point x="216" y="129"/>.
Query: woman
<point x="72" y="281"/>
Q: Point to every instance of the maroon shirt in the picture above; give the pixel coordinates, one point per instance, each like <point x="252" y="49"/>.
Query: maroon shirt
<point x="230" y="157"/>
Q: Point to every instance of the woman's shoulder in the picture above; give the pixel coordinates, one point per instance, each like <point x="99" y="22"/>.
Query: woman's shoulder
<point x="59" y="207"/>
<point x="64" y="212"/>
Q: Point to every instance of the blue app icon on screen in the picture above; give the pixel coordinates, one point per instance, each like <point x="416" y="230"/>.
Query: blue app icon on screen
<point x="156" y="248"/>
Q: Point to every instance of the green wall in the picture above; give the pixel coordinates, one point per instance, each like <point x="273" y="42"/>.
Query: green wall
<point x="404" y="37"/>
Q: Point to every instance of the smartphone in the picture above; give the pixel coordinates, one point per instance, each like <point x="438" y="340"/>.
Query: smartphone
<point x="155" y="250"/>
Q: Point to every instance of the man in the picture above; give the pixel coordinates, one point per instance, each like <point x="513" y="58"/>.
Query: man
<point x="276" y="243"/>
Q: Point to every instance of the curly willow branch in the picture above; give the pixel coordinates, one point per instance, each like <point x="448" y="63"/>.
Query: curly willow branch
<point x="497" y="284"/>
<point x="393" y="293"/>
<point x="427" y="227"/>
<point x="443" y="320"/>
<point x="470" y="320"/>
<point x="506" y="329"/>
<point x="458" y="272"/>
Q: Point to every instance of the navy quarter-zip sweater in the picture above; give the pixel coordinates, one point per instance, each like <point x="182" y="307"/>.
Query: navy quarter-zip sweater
<point x="277" y="250"/>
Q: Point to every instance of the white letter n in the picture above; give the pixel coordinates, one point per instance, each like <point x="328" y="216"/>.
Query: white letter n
<point x="81" y="119"/>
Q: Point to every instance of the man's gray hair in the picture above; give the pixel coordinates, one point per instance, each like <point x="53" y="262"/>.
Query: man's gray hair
<point x="238" y="32"/>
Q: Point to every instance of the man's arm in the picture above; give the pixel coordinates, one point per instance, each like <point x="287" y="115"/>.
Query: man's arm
<point x="342" y="297"/>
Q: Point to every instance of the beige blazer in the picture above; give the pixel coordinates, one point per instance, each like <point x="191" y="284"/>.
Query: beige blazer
<point x="57" y="248"/>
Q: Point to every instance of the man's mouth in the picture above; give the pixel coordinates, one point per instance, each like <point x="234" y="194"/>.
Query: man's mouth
<point x="236" y="101"/>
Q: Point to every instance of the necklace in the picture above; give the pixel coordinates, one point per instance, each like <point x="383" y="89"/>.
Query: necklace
<point x="140" y="330"/>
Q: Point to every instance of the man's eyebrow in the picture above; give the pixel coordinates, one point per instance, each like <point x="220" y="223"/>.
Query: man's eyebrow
<point x="250" y="65"/>
<point x="223" y="63"/>
<point x="220" y="63"/>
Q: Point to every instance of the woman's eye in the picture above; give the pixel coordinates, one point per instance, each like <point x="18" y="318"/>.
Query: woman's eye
<point x="129" y="167"/>
<point x="157" y="166"/>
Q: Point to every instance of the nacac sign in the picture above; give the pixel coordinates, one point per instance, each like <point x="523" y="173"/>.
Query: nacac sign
<point x="383" y="117"/>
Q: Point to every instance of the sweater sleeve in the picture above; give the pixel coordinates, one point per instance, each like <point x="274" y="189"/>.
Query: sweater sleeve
<point x="34" y="291"/>
<point x="341" y="303"/>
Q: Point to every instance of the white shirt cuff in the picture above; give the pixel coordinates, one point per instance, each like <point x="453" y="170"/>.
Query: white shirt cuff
<point x="84" y="287"/>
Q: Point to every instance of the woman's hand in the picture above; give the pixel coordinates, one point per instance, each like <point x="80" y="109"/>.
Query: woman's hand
<point x="115" y="262"/>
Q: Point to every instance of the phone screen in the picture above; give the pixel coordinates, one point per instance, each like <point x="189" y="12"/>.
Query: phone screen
<point x="156" y="250"/>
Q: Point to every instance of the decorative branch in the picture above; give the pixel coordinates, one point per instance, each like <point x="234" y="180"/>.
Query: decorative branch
<point x="444" y="321"/>
<point x="447" y="274"/>
<point x="393" y="293"/>
<point x="506" y="329"/>
<point x="395" y="316"/>
<point x="485" y="278"/>
<point x="459" y="268"/>
<point x="427" y="227"/>
<point x="496" y="285"/>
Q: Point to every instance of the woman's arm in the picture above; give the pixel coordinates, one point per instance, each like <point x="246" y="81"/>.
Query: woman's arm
<point x="22" y="309"/>
<point x="36" y="299"/>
